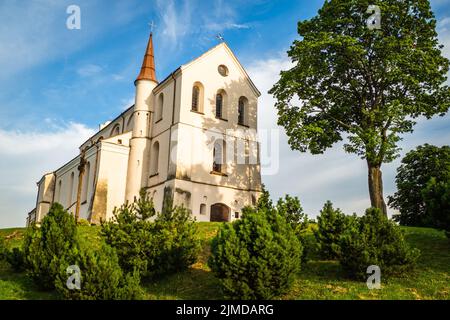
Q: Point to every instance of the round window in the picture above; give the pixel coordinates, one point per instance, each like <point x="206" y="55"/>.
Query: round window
<point x="223" y="70"/>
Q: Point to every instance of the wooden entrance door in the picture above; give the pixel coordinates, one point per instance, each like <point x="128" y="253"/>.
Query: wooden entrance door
<point x="220" y="213"/>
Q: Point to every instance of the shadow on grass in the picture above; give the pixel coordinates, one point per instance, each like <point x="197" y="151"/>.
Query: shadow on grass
<point x="18" y="286"/>
<point x="193" y="284"/>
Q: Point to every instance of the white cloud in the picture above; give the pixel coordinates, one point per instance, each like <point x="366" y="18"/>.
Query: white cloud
<point x="89" y="70"/>
<point x="25" y="157"/>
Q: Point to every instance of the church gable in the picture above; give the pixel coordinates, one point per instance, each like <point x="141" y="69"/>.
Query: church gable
<point x="220" y="56"/>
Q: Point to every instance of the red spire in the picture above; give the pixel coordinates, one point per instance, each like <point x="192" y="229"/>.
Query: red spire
<point x="148" y="65"/>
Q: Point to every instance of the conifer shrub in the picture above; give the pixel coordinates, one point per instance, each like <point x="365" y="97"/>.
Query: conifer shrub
<point x="152" y="243"/>
<point x="101" y="277"/>
<point x="291" y="209"/>
<point x="3" y="249"/>
<point x="256" y="257"/>
<point x="46" y="246"/>
<point x="375" y="240"/>
<point x="16" y="259"/>
<point x="331" y="224"/>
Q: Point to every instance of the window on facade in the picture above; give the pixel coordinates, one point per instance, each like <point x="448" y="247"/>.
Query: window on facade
<point x="203" y="209"/>
<point x="116" y="130"/>
<point x="159" y="107"/>
<point x="242" y="109"/>
<point x="85" y="186"/>
<point x="219" y="105"/>
<point x="195" y="98"/>
<point x="236" y="215"/>
<point x="154" y="159"/>
<point x="219" y="156"/>
<point x="71" y="186"/>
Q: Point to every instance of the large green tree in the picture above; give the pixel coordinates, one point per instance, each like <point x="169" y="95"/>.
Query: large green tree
<point x="361" y="84"/>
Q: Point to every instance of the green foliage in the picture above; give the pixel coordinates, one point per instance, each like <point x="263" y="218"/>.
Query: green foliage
<point x="331" y="224"/>
<point x="83" y="222"/>
<point x="416" y="169"/>
<point x="256" y="257"/>
<point x="374" y="240"/>
<point x="101" y="277"/>
<point x="291" y="209"/>
<point x="47" y="246"/>
<point x="369" y="84"/>
<point x="3" y="249"/>
<point x="436" y="196"/>
<point x="363" y="86"/>
<point x="16" y="259"/>
<point x="163" y="246"/>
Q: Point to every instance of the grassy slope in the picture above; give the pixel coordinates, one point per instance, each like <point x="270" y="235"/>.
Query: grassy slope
<point x="318" y="279"/>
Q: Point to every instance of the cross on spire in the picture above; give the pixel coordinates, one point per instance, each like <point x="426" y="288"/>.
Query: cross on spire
<point x="219" y="36"/>
<point x="152" y="26"/>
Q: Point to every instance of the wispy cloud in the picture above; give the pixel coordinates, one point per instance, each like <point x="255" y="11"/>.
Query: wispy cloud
<point x="25" y="156"/>
<point x="89" y="70"/>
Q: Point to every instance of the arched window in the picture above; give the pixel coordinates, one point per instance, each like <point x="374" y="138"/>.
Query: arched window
<point x="72" y="181"/>
<point x="219" y="156"/>
<point x="242" y="110"/>
<point x="197" y="97"/>
<point x="87" y="170"/>
<point x="159" y="107"/>
<point x="154" y="159"/>
<point x="219" y="105"/>
<point x="115" y="131"/>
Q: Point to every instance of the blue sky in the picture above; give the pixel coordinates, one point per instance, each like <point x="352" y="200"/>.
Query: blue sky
<point x="57" y="85"/>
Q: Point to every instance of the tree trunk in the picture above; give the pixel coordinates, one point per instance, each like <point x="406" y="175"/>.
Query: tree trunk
<point x="376" y="188"/>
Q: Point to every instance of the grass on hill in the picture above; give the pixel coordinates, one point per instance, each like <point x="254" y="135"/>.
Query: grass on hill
<point x="317" y="280"/>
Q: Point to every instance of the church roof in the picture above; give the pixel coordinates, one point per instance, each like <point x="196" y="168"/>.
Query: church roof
<point x="148" y="65"/>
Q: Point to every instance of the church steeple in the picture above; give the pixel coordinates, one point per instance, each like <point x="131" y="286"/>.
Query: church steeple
<point x="148" y="65"/>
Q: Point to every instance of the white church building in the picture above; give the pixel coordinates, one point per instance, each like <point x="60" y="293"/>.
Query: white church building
<point x="190" y="138"/>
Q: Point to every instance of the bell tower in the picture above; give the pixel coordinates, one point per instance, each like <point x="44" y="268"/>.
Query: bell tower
<point x="142" y="119"/>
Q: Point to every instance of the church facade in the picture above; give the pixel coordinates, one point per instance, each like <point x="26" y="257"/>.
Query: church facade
<point x="190" y="139"/>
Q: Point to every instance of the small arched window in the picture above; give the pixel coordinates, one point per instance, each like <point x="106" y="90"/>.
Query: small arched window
<point x="72" y="181"/>
<point x="219" y="156"/>
<point x="219" y="105"/>
<point x="242" y="110"/>
<point x="116" y="130"/>
<point x="195" y="98"/>
<point x="159" y="107"/>
<point x="86" y="182"/>
<point x="154" y="163"/>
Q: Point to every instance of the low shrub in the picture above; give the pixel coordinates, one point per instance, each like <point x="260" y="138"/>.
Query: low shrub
<point x="152" y="243"/>
<point x="256" y="257"/>
<point x="331" y="224"/>
<point x="291" y="209"/>
<point x="101" y="277"/>
<point x="436" y="197"/>
<point x="3" y="249"/>
<point x="16" y="259"/>
<point x="44" y="247"/>
<point x="375" y="240"/>
<point x="83" y="222"/>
